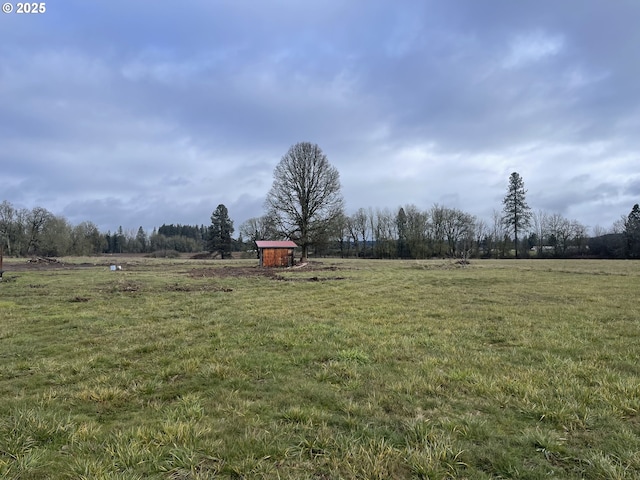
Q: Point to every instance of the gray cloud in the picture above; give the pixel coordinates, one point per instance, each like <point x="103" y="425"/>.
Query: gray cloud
<point x="144" y="113"/>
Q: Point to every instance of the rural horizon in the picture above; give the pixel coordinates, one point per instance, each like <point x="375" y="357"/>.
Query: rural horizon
<point x="134" y="225"/>
<point x="384" y="229"/>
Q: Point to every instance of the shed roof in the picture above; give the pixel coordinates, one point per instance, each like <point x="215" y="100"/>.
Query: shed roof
<point x="275" y="244"/>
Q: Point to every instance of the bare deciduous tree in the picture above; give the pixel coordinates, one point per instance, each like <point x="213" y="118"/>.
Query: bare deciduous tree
<point x="259" y="228"/>
<point x="458" y="230"/>
<point x="35" y="222"/>
<point x="540" y="222"/>
<point x="305" y="196"/>
<point x="481" y="233"/>
<point x="384" y="230"/>
<point x="357" y="227"/>
<point x="417" y="226"/>
<point x="437" y="216"/>
<point x="7" y="225"/>
<point x="497" y="235"/>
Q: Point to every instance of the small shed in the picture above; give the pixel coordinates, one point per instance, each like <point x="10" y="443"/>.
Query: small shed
<point x="275" y="253"/>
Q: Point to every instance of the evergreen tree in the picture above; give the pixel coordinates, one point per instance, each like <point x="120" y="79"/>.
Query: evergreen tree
<point x="119" y="241"/>
<point x="401" y="227"/>
<point x="220" y="231"/>
<point x="516" y="214"/>
<point x="632" y="233"/>
<point x="141" y="238"/>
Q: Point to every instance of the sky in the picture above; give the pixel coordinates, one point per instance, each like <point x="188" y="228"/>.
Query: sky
<point x="142" y="113"/>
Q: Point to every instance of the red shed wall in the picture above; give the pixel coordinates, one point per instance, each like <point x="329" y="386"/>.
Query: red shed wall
<point x="277" y="257"/>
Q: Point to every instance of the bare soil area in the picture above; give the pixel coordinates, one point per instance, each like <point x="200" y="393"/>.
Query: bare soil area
<point x="304" y="272"/>
<point x="273" y="273"/>
<point x="43" y="263"/>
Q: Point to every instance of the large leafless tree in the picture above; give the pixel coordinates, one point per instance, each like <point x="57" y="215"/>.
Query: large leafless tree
<point x="305" y="196"/>
<point x="357" y="226"/>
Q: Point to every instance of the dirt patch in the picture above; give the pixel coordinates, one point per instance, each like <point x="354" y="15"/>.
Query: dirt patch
<point x="198" y="288"/>
<point x="273" y="273"/>
<point x="36" y="263"/>
<point x="306" y="279"/>
<point x="125" y="287"/>
<point x="315" y="266"/>
<point x="79" y="300"/>
<point x="46" y="263"/>
<point x="42" y="263"/>
<point x="445" y="265"/>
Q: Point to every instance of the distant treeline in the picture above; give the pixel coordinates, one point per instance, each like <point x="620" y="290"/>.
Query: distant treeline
<point x="197" y="233"/>
<point x="408" y="232"/>
<point x="28" y="232"/>
<point x="166" y="238"/>
<point x="443" y="232"/>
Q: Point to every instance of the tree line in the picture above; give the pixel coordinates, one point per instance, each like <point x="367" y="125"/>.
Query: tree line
<point x="444" y="232"/>
<point x="305" y="204"/>
<point x="38" y="232"/>
<point x="408" y="232"/>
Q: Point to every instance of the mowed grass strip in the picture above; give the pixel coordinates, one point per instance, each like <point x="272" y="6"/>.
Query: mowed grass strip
<point x="352" y="369"/>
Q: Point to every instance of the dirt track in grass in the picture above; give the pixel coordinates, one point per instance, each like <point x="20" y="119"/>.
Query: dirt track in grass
<point x="46" y="264"/>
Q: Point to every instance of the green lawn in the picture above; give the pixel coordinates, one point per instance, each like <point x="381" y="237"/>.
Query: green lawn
<point x="176" y="369"/>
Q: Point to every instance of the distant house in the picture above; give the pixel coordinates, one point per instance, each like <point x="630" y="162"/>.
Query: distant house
<point x="544" y="248"/>
<point x="275" y="253"/>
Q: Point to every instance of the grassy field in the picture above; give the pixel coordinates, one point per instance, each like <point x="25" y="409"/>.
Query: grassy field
<point x="177" y="369"/>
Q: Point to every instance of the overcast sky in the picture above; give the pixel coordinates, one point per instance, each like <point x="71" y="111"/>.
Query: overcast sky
<point x="149" y="112"/>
